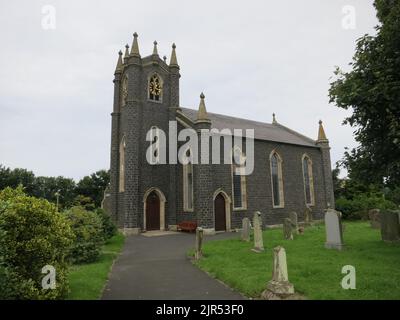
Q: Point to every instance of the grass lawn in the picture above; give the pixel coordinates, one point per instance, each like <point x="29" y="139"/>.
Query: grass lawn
<point x="314" y="270"/>
<point x="86" y="281"/>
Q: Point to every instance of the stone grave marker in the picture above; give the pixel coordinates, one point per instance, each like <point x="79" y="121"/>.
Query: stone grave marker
<point x="295" y="223"/>
<point x="287" y="229"/>
<point x="333" y="228"/>
<point x="258" y="239"/>
<point x="390" y="225"/>
<point x="246" y="229"/>
<point x="308" y="217"/>
<point x="198" y="253"/>
<point x="375" y="218"/>
<point x="279" y="287"/>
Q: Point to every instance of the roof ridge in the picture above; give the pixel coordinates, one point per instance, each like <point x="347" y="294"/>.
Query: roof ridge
<point x="228" y="116"/>
<point x="282" y="133"/>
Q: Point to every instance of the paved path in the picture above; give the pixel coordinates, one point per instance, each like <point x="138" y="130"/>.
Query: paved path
<point x="157" y="268"/>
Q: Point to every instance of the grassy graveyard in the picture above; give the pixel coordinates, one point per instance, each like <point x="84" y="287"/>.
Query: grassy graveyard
<point x="314" y="270"/>
<point x="87" y="280"/>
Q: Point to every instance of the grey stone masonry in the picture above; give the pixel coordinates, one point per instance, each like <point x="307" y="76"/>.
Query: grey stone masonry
<point x="135" y="112"/>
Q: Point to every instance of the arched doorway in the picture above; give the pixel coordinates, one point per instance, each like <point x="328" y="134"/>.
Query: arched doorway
<point x="154" y="210"/>
<point x="220" y="213"/>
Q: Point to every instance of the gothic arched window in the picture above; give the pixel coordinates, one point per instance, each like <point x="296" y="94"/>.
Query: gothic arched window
<point x="308" y="180"/>
<point x="122" y="147"/>
<point x="276" y="180"/>
<point x="239" y="179"/>
<point x="155" y="88"/>
<point x="124" y="91"/>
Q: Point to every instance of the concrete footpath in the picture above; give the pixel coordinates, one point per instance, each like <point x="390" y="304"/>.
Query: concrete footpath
<point x="156" y="267"/>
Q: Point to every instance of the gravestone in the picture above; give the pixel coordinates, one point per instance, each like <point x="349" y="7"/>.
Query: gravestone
<point x="390" y="225"/>
<point x="375" y="218"/>
<point x="198" y="253"/>
<point x="246" y="229"/>
<point x="308" y="217"/>
<point x="287" y="229"/>
<point x="333" y="228"/>
<point x="295" y="222"/>
<point x="258" y="239"/>
<point x="279" y="286"/>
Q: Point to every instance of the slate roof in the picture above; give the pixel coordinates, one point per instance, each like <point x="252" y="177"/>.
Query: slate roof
<point x="262" y="131"/>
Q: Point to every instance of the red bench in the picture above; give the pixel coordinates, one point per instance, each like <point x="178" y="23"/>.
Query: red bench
<point x="187" y="226"/>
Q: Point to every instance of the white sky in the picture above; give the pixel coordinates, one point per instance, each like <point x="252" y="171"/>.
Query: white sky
<point x="251" y="58"/>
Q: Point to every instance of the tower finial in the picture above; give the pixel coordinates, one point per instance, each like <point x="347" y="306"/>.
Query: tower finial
<point x="173" y="61"/>
<point x="119" y="62"/>
<point x="321" y="132"/>
<point x="202" y="112"/>
<point x="126" y="51"/>
<point x="135" y="46"/>
<point x="155" y="52"/>
<point x="274" y="119"/>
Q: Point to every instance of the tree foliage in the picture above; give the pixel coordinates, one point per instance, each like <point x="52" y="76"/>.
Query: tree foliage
<point x="88" y="229"/>
<point x="87" y="192"/>
<point x="372" y="90"/>
<point x="32" y="235"/>
<point x="93" y="186"/>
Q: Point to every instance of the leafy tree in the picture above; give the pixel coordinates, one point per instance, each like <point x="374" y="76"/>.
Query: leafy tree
<point x="88" y="192"/>
<point x="372" y="90"/>
<point x="93" y="186"/>
<point x="109" y="227"/>
<point x="88" y="230"/>
<point x="13" y="178"/>
<point x="47" y="187"/>
<point x="32" y="235"/>
<point x="84" y="202"/>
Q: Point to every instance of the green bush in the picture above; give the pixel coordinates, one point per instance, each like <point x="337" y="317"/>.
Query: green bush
<point x="88" y="231"/>
<point x="358" y="207"/>
<point x="32" y="235"/>
<point x="109" y="227"/>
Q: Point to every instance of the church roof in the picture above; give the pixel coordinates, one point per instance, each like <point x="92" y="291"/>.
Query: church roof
<point x="262" y="131"/>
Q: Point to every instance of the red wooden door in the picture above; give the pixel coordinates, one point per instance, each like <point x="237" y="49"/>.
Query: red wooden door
<point x="220" y="214"/>
<point x="153" y="212"/>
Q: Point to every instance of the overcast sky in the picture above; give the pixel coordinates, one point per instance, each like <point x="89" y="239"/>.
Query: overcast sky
<point x="251" y="58"/>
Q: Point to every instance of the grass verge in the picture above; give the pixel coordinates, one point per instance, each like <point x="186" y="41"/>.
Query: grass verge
<point x="316" y="272"/>
<point x="86" y="281"/>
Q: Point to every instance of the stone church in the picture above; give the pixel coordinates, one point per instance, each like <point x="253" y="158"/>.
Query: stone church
<point x="291" y="171"/>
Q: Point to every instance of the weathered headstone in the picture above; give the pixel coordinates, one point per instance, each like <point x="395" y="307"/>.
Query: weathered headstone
<point x="198" y="253"/>
<point x="287" y="229"/>
<point x="375" y="218"/>
<point x="246" y="229"/>
<point x="333" y="228"/>
<point x="308" y="217"/>
<point x="295" y="222"/>
<point x="279" y="286"/>
<point x="390" y="225"/>
<point x="258" y="238"/>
